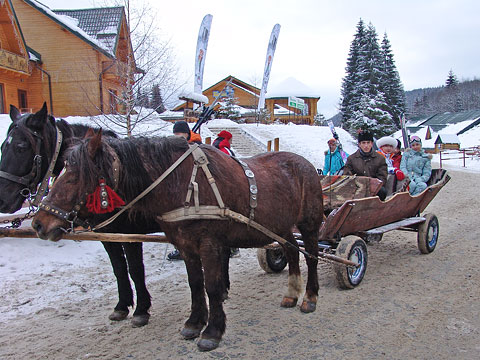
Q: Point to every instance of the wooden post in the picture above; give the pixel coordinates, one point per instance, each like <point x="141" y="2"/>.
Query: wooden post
<point x="276" y="146"/>
<point x="269" y="145"/>
<point x="208" y="140"/>
<point x="441" y="159"/>
<point x="463" y="157"/>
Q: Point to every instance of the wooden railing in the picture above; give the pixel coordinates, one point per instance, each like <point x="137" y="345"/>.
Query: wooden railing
<point x="13" y="61"/>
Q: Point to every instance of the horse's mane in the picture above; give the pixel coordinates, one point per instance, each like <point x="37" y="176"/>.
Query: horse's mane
<point x="142" y="161"/>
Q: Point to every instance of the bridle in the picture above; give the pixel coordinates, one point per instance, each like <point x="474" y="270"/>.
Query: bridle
<point x="72" y="216"/>
<point x="32" y="179"/>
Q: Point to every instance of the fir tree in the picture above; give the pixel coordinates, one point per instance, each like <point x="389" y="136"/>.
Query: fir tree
<point x="392" y="86"/>
<point x="156" y="101"/>
<point x="365" y="88"/>
<point x="451" y="81"/>
<point x="229" y="108"/>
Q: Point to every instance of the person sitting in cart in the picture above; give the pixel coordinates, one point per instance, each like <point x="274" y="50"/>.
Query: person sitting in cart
<point x="223" y="142"/>
<point x="386" y="146"/>
<point x="335" y="158"/>
<point x="416" y="164"/>
<point x="367" y="162"/>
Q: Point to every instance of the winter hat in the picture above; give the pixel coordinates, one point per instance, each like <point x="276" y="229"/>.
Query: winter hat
<point x="386" y="140"/>
<point x="225" y="134"/>
<point x="331" y="141"/>
<point x="365" y="136"/>
<point x="181" y="127"/>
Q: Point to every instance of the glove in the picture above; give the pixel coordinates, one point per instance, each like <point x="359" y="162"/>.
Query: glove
<point x="399" y="174"/>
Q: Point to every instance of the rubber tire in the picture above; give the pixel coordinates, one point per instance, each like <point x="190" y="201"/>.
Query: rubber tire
<point x="354" y="249"/>
<point x="427" y="237"/>
<point x="271" y="260"/>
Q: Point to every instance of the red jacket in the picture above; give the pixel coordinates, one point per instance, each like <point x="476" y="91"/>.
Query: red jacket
<point x="396" y="159"/>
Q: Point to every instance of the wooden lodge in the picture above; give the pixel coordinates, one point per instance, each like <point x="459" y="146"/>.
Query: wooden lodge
<point x="86" y="56"/>
<point x="247" y="97"/>
<point x="447" y="142"/>
<point x="20" y="66"/>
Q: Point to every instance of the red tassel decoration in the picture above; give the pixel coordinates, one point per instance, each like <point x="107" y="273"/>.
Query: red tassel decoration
<point x="103" y="200"/>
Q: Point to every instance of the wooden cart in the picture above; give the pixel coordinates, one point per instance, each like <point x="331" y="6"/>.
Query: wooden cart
<point x="351" y="210"/>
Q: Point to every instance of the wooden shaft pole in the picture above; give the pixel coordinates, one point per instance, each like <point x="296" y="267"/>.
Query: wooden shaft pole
<point x="88" y="236"/>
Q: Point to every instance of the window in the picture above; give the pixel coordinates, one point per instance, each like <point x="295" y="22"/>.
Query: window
<point x="113" y="101"/>
<point x="22" y="100"/>
<point x="2" y="101"/>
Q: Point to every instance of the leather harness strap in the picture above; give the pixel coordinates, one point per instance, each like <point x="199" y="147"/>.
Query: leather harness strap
<point x="44" y="185"/>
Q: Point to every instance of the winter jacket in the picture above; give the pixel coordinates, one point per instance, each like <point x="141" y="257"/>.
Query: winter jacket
<point x="337" y="162"/>
<point x="371" y="164"/>
<point x="388" y="160"/>
<point x="396" y="159"/>
<point x="416" y="165"/>
<point x="195" y="138"/>
<point x="223" y="145"/>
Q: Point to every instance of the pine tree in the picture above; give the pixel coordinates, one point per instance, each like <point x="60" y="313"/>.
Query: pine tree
<point x="350" y="92"/>
<point x="365" y="89"/>
<point x="392" y="86"/>
<point x="229" y="108"/>
<point x="451" y="81"/>
<point x="156" y="101"/>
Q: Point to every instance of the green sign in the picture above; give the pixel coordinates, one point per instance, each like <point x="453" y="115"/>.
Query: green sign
<point x="296" y="103"/>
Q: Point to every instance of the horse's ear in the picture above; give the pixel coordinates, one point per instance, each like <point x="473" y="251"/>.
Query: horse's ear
<point x="14" y="113"/>
<point x="89" y="133"/>
<point x="95" y="143"/>
<point x="38" y="120"/>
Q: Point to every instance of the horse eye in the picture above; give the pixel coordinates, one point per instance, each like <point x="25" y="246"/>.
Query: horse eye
<point x="21" y="147"/>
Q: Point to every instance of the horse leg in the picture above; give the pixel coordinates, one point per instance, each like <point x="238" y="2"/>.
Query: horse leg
<point x="226" y="277"/>
<point x="199" y="312"/>
<point x="125" y="293"/>
<point x="211" y="253"/>
<point x="134" y="253"/>
<point x="310" y="240"/>
<point x="295" y="282"/>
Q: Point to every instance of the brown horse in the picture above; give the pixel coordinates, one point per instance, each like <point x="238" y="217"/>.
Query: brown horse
<point x="289" y="193"/>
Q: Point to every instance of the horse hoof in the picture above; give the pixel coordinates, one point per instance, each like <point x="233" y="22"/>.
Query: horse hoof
<point x="288" y="302"/>
<point x="308" y="306"/>
<point x="140" y="320"/>
<point x="207" y="344"/>
<point x="189" y="333"/>
<point x="118" y="315"/>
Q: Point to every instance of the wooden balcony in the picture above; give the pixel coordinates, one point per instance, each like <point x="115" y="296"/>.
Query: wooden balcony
<point x="15" y="62"/>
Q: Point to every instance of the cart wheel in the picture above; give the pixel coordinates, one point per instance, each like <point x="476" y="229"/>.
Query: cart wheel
<point x="353" y="249"/>
<point x="272" y="260"/>
<point x="427" y="236"/>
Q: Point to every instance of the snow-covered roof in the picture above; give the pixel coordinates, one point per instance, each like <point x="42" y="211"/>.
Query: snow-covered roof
<point x="72" y="25"/>
<point x="447" y="139"/>
<point x="291" y="87"/>
<point x="196" y="97"/>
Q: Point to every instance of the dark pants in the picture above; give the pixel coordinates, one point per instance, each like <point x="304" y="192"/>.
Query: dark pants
<point x="382" y="193"/>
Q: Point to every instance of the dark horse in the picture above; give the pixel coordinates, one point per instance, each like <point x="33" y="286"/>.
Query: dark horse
<point x="32" y="133"/>
<point x="289" y="193"/>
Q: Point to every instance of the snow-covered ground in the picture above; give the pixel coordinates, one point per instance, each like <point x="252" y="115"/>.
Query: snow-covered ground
<point x="22" y="260"/>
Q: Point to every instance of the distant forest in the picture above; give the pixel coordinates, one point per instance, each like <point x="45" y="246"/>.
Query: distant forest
<point x="454" y="96"/>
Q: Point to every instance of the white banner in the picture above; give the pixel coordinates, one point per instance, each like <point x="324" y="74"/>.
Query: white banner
<point x="272" y="45"/>
<point x="201" y="53"/>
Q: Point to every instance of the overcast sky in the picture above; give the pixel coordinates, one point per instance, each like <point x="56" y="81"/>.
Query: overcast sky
<point x="428" y="38"/>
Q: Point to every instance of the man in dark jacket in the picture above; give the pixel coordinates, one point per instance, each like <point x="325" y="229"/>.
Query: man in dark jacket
<point x="367" y="162"/>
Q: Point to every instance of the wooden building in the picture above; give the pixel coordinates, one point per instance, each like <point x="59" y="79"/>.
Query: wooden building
<point x="87" y="56"/>
<point x="279" y="96"/>
<point x="20" y="66"/>
<point x="447" y="142"/>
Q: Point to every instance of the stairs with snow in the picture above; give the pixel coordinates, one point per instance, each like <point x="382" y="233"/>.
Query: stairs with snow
<point x="243" y="145"/>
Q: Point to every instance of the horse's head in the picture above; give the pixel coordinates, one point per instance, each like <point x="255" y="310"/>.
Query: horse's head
<point x="21" y="168"/>
<point x="86" y="163"/>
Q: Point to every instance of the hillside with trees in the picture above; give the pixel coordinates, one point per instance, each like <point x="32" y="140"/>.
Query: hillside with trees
<point x="454" y="96"/>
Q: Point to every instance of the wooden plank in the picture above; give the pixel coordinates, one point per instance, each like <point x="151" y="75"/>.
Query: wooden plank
<point x="396" y="225"/>
<point x="86" y="236"/>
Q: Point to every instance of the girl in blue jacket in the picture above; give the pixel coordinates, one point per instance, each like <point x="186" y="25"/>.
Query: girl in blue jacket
<point x="335" y="159"/>
<point x="417" y="166"/>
